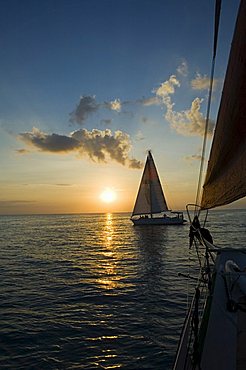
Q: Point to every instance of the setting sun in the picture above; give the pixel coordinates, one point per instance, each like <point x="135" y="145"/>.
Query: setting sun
<point x="108" y="195"/>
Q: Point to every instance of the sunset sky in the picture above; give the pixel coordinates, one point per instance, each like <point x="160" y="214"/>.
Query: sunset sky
<point x="88" y="86"/>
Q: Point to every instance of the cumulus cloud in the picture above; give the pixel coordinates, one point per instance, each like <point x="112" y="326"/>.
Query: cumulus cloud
<point x="49" y="143"/>
<point x="99" y="146"/>
<point x="114" y="105"/>
<point x="188" y="122"/>
<point x="168" y="87"/>
<point x="202" y="82"/>
<point x="183" y="69"/>
<point x="87" y="105"/>
<point x="102" y="145"/>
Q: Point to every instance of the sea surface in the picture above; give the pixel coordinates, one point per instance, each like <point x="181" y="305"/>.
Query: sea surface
<point x="91" y="291"/>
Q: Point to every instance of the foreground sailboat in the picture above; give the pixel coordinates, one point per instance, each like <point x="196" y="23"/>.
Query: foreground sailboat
<point x="214" y="332"/>
<point x="151" y="204"/>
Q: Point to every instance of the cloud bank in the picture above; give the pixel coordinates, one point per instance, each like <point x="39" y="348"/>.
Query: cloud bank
<point x="99" y="146"/>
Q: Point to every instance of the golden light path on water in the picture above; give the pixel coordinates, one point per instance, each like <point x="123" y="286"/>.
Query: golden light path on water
<point x="109" y="267"/>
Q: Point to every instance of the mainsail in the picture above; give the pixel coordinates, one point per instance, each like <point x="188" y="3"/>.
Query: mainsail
<point x="150" y="198"/>
<point x="226" y="173"/>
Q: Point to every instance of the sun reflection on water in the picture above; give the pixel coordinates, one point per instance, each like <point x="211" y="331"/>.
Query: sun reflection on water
<point x="108" y="234"/>
<point x="109" y="278"/>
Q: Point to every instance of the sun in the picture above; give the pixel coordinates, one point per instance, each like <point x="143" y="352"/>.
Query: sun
<point x="108" y="195"/>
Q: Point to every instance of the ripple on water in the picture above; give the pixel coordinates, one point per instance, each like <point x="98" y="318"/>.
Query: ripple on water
<point x="92" y="291"/>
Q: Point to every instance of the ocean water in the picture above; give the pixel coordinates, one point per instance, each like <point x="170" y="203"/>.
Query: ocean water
<point x="91" y="291"/>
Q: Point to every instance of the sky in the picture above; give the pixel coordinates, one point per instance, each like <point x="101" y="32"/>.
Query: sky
<point x="87" y="87"/>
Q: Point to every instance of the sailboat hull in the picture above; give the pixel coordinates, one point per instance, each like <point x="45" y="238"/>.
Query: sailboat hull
<point x="158" y="221"/>
<point x="222" y="332"/>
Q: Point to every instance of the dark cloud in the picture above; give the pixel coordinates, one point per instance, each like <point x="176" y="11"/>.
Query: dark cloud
<point x="134" y="163"/>
<point x="87" y="105"/>
<point x="98" y="145"/>
<point x="49" y="143"/>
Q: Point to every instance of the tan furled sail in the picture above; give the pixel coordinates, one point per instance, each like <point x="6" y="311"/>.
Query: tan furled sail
<point x="226" y="174"/>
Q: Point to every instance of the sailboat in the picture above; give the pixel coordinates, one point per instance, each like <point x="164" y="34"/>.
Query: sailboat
<point x="214" y="331"/>
<point x="150" y="203"/>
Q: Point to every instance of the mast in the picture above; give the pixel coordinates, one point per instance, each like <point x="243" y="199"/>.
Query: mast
<point x="150" y="182"/>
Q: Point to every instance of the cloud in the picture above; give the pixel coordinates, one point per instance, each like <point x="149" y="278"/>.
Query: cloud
<point x="99" y="146"/>
<point x="22" y="151"/>
<point x="202" y="82"/>
<point x="139" y="136"/>
<point x="155" y="100"/>
<point x="87" y="105"/>
<point x="193" y="157"/>
<point x="183" y="69"/>
<point x="188" y="122"/>
<point x="49" y="143"/>
<point x="103" y="145"/>
<point x="135" y="164"/>
<point x="12" y="203"/>
<point x="114" y="105"/>
<point x="168" y="87"/>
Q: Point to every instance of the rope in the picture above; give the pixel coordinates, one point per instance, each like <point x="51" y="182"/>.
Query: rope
<point x="216" y="29"/>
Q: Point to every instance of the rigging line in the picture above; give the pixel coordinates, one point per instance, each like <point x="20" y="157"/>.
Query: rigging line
<point x="216" y="29"/>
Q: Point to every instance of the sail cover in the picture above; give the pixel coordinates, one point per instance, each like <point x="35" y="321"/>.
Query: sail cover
<point x="150" y="198"/>
<point x="226" y="173"/>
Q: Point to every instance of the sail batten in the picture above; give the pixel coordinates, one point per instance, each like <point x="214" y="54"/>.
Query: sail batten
<point x="226" y="173"/>
<point x="150" y="198"/>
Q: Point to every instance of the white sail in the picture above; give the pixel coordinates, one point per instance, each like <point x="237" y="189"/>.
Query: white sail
<point x="226" y="174"/>
<point x="150" y="198"/>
